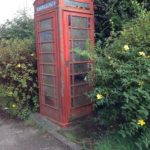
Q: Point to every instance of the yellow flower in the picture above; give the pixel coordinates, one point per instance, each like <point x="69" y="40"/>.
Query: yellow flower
<point x="141" y="122"/>
<point x="13" y="106"/>
<point x="141" y="83"/>
<point x="126" y="47"/>
<point x="99" y="96"/>
<point x="18" y="66"/>
<point x="142" y="54"/>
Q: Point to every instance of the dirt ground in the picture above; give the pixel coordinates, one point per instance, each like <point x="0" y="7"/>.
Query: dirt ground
<point x="15" y="135"/>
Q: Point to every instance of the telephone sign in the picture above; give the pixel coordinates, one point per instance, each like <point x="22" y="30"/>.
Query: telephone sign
<point x="44" y="6"/>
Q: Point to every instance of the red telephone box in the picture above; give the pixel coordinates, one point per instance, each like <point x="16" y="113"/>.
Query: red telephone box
<point x="62" y="26"/>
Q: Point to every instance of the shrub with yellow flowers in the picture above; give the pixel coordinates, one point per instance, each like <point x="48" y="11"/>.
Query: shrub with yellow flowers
<point x="18" y="75"/>
<point x="122" y="81"/>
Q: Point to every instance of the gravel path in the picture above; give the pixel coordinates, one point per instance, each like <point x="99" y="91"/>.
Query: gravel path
<point x="14" y="135"/>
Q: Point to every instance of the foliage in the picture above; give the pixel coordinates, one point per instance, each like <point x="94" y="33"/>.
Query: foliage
<point x="122" y="81"/>
<point x="18" y="74"/>
<point x="110" y="15"/>
<point x="21" y="27"/>
<point x="18" y="67"/>
<point x="114" y="142"/>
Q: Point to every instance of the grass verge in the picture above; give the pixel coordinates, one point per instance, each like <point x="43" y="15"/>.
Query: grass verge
<point x="114" y="142"/>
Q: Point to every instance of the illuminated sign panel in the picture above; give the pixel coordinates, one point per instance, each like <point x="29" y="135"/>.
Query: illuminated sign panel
<point x="44" y="6"/>
<point x="77" y="4"/>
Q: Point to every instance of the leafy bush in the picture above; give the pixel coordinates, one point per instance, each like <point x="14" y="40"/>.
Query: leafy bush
<point x="21" y="27"/>
<point x="18" y="67"/>
<point x="110" y="15"/>
<point x="122" y="81"/>
<point x="114" y="142"/>
<point x="18" y="74"/>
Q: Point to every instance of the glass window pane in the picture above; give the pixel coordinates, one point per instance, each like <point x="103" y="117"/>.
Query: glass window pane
<point x="46" y="24"/>
<point x="48" y="69"/>
<point x="79" y="45"/>
<point x="49" y="80"/>
<point x="80" y="58"/>
<point x="79" y="68"/>
<point x="46" y="36"/>
<point x="77" y="57"/>
<point x="48" y="58"/>
<point x="49" y="91"/>
<point x="81" y="78"/>
<point x="49" y="100"/>
<point x="80" y="101"/>
<point x="47" y="47"/>
<point x="81" y="90"/>
<point x="79" y="34"/>
<point x="79" y="22"/>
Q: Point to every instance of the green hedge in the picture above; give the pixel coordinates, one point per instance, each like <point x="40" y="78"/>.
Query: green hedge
<point x="122" y="81"/>
<point x="18" y="76"/>
<point x="110" y="15"/>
